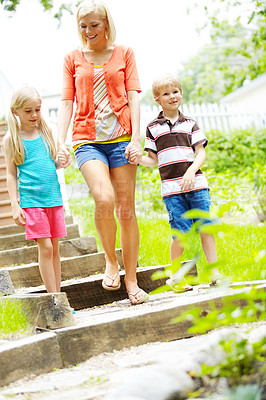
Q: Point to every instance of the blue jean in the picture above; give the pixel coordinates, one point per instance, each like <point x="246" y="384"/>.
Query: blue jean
<point x="177" y="205"/>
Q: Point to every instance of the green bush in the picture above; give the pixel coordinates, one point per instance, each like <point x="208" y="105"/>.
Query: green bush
<point x="235" y="151"/>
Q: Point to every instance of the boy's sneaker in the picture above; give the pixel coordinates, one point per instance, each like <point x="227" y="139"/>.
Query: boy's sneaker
<point x="217" y="280"/>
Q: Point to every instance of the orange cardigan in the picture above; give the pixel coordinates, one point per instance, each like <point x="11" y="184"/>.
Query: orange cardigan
<point x="120" y="74"/>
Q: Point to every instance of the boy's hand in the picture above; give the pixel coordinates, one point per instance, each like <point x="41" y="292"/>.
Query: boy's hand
<point x="133" y="152"/>
<point x="188" y="180"/>
<point x="64" y="156"/>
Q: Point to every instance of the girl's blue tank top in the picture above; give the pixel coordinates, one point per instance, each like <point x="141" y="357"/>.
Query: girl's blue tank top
<point x="38" y="180"/>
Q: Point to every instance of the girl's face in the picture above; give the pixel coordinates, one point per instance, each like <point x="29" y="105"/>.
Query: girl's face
<point x="93" y="29"/>
<point x="29" y="115"/>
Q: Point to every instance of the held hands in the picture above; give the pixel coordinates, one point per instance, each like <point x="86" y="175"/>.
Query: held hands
<point x="64" y="156"/>
<point x="133" y="152"/>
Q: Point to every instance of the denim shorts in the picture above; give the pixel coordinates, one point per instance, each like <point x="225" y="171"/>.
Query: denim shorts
<point x="180" y="203"/>
<point x="112" y="154"/>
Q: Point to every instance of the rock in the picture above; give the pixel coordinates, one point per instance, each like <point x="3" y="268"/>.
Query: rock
<point x="151" y="383"/>
<point x="6" y="285"/>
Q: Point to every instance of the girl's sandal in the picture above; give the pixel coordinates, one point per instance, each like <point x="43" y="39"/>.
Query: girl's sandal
<point x="144" y="298"/>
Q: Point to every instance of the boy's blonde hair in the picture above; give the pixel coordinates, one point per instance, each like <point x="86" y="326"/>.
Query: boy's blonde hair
<point x="89" y="6"/>
<point x="164" y="81"/>
<point x="19" y="99"/>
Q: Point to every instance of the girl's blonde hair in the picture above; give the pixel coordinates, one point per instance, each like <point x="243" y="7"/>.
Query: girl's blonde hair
<point x="19" y="99"/>
<point x="164" y="81"/>
<point x="98" y="6"/>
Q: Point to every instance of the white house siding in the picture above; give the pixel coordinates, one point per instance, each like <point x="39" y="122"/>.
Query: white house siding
<point x="250" y="97"/>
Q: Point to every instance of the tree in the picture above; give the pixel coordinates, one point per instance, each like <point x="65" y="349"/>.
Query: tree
<point x="11" y="6"/>
<point x="237" y="51"/>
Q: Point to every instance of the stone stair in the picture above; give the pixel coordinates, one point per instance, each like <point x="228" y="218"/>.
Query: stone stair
<point x="82" y="267"/>
<point x="5" y="206"/>
<point x="104" y="320"/>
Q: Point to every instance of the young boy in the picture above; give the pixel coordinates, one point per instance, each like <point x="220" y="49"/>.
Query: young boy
<point x="172" y="140"/>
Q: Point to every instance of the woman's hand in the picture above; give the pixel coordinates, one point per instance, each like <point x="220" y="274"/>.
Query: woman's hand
<point x="133" y="152"/>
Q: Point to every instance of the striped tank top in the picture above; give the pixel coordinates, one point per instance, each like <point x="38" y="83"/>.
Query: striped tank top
<point x="38" y="181"/>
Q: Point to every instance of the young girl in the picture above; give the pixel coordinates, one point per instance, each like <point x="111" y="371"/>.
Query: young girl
<point x="30" y="160"/>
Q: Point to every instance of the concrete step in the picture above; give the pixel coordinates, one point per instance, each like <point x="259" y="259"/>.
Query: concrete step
<point x="24" y="276"/>
<point x="6" y="219"/>
<point x="68" y="248"/>
<point x="88" y="291"/>
<point x="4" y="194"/>
<point x="14" y="229"/>
<point x="2" y="170"/>
<point x="112" y="327"/>
<point x="5" y="205"/>
<point x="9" y="243"/>
<point x="2" y="180"/>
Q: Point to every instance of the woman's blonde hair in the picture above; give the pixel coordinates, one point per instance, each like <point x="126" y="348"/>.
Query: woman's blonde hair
<point x="164" y="81"/>
<point x="19" y="99"/>
<point x="89" y="6"/>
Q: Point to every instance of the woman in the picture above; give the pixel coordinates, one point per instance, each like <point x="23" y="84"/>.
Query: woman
<point x="102" y="78"/>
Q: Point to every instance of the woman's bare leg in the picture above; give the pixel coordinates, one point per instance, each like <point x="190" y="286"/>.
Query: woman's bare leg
<point x="97" y="176"/>
<point x="123" y="179"/>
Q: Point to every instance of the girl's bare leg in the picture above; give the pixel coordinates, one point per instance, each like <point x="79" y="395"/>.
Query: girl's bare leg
<point x="57" y="264"/>
<point x="97" y="176"/>
<point x="45" y="254"/>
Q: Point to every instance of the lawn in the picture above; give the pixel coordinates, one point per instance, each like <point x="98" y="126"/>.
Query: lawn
<point x="241" y="251"/>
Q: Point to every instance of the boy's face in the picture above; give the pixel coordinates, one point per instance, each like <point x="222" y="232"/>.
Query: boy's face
<point x="169" y="98"/>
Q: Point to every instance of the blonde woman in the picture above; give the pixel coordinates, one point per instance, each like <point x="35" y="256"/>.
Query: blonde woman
<point x="101" y="78"/>
<point x="30" y="155"/>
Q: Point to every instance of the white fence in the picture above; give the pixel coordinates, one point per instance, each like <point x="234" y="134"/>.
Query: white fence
<point x="211" y="116"/>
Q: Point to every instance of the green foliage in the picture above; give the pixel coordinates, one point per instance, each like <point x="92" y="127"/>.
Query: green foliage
<point x="234" y="167"/>
<point x="11" y="7"/>
<point x="149" y="189"/>
<point x="241" y="356"/>
<point x="230" y="312"/>
<point x="238" y="151"/>
<point x="244" y="392"/>
<point x="237" y="51"/>
<point x="72" y="173"/>
<point x="13" y="320"/>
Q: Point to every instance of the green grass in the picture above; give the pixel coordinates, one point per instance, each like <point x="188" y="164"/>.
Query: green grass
<point x="240" y="251"/>
<point x="13" y="320"/>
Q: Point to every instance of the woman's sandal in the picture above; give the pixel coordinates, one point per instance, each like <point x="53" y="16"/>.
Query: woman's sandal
<point x="145" y="297"/>
<point x="107" y="287"/>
